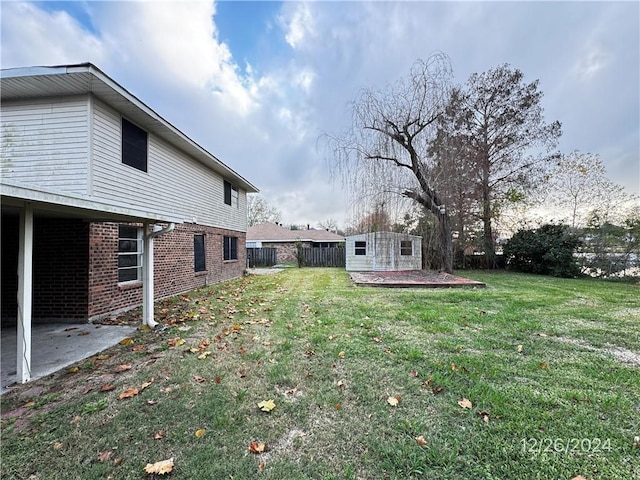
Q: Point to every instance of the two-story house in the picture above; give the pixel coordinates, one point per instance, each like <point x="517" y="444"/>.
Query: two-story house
<point x="105" y="204"/>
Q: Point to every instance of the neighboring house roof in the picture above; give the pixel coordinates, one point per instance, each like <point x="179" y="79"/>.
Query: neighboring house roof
<point x="270" y="232"/>
<point x="84" y="78"/>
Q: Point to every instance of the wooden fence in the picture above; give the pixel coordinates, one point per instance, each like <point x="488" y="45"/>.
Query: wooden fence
<point x="324" y="257"/>
<point x="261" y="257"/>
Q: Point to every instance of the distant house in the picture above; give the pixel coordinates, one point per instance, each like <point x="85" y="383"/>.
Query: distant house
<point x="96" y="189"/>
<point x="383" y="251"/>
<point x="284" y="240"/>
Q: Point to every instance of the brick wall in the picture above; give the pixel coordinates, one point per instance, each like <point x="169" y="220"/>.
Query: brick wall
<point x="287" y="252"/>
<point x="173" y="266"/>
<point x="60" y="268"/>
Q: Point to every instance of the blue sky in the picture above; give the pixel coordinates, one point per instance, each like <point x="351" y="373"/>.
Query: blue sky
<point x="257" y="83"/>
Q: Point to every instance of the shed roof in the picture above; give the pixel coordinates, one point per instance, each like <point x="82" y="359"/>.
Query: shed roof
<point x="270" y="232"/>
<point x="85" y="78"/>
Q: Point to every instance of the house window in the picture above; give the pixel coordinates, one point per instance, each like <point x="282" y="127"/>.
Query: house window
<point x="361" y="248"/>
<point x="134" y="146"/>
<point x="129" y="253"/>
<point x="230" y="248"/>
<point x="230" y="194"/>
<point x="406" y="247"/>
<point x="199" y="256"/>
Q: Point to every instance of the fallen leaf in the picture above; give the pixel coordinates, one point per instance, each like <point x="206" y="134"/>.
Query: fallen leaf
<point x="340" y="383"/>
<point x="175" y="342"/>
<point x="579" y="477"/>
<point x="73" y="369"/>
<point x="393" y="401"/>
<point x="255" y="447"/>
<point x="454" y="367"/>
<point x="437" y="389"/>
<point x="103" y="357"/>
<point x="159" y="435"/>
<point x="341" y="354"/>
<point x="199" y="379"/>
<point x="465" y="403"/>
<point x="267" y="405"/>
<point x="413" y="373"/>
<point x="544" y="366"/>
<point x="57" y="445"/>
<point x="542" y="335"/>
<point x="200" y="432"/>
<point x="146" y="384"/>
<point x="218" y="379"/>
<point x="485" y="416"/>
<point x="151" y="403"/>
<point x="160" y="468"/>
<point x="105" y="456"/>
<point x="204" y="355"/>
<point x="117" y="461"/>
<point x="338" y="406"/>
<point x="421" y="441"/>
<point x="262" y="466"/>
<point x="126" y="341"/>
<point x="377" y="339"/>
<point x="75" y="420"/>
<point x="128" y="393"/>
<point x="107" y="387"/>
<point x="29" y="404"/>
<point x="138" y="348"/>
<point x="122" y="368"/>
<point x="520" y="347"/>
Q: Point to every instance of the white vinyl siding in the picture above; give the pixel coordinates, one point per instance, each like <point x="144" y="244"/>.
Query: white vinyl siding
<point x="45" y="144"/>
<point x="383" y="252"/>
<point x="174" y="184"/>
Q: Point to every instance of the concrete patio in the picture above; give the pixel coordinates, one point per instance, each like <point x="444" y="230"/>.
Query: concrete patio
<point x="56" y="346"/>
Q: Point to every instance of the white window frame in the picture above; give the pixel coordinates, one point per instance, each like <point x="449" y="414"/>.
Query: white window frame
<point x="138" y="253"/>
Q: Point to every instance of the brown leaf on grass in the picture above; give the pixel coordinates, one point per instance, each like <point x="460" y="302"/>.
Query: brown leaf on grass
<point x="107" y="387"/>
<point x="241" y="374"/>
<point x="128" y="393"/>
<point x="204" y="355"/>
<point x="138" y="348"/>
<point x="218" y="379"/>
<point x="266" y="405"/>
<point x="454" y="367"/>
<point x="29" y="404"/>
<point x="175" y="342"/>
<point x="256" y="447"/>
<point x="261" y="467"/>
<point x="338" y="406"/>
<point x="105" y="456"/>
<point x="465" y="403"/>
<point x="146" y="384"/>
<point x="377" y="339"/>
<point x="519" y="348"/>
<point x="485" y="416"/>
<point x="199" y="379"/>
<point x="87" y="390"/>
<point x="413" y="373"/>
<point x="57" y="445"/>
<point x="73" y="369"/>
<point x="159" y="435"/>
<point x="437" y="389"/>
<point x="579" y="477"/>
<point x="103" y="357"/>
<point x="421" y="441"/>
<point x="341" y="354"/>
<point x="200" y="432"/>
<point x="122" y="368"/>
<point x="75" y="420"/>
<point x="117" y="461"/>
<point x="160" y="468"/>
<point x="543" y="366"/>
<point x="126" y="341"/>
<point x="394" y="401"/>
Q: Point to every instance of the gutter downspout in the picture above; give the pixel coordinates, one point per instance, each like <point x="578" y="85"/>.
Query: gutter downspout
<point x="147" y="276"/>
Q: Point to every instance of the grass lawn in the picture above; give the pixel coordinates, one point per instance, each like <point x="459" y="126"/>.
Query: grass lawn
<point x="530" y="378"/>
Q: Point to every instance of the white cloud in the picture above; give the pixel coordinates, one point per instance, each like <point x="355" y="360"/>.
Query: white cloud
<point x="592" y="62"/>
<point x="299" y="23"/>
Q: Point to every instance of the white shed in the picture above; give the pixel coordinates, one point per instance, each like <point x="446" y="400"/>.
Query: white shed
<point x="383" y="251"/>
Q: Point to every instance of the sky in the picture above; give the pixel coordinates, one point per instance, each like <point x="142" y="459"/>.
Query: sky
<point x="258" y="84"/>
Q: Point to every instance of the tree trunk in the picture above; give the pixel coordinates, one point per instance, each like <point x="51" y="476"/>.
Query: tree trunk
<point x="446" y="243"/>
<point x="489" y="248"/>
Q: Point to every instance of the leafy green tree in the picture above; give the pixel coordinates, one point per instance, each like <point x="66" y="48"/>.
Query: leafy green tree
<point x="548" y="250"/>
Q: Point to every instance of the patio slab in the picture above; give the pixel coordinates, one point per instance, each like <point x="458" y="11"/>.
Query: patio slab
<point x="413" y="279"/>
<point x="55" y="346"/>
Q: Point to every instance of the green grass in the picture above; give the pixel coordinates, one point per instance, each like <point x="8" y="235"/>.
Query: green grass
<point x="550" y="366"/>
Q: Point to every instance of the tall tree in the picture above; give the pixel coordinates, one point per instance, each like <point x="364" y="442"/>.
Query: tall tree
<point x="385" y="152"/>
<point x="259" y="211"/>
<point x="578" y="186"/>
<point x="499" y="117"/>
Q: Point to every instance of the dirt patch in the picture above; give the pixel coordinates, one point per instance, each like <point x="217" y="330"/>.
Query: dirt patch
<point x="412" y="279"/>
<point x="621" y="354"/>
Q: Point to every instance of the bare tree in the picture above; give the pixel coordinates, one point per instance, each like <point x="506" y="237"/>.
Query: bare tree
<point x="384" y="155"/>
<point x="578" y="185"/>
<point x="500" y="119"/>
<point x="259" y="211"/>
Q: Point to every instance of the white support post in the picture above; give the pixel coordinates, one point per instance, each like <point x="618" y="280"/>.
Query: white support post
<point x="147" y="279"/>
<point x="25" y="290"/>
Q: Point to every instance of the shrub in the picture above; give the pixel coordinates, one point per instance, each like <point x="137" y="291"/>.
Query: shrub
<point x="548" y="250"/>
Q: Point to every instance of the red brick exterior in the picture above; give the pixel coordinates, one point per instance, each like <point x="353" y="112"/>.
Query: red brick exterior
<point x="286" y="251"/>
<point x="60" y="276"/>
<point x="75" y="267"/>
<point x="173" y="266"/>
